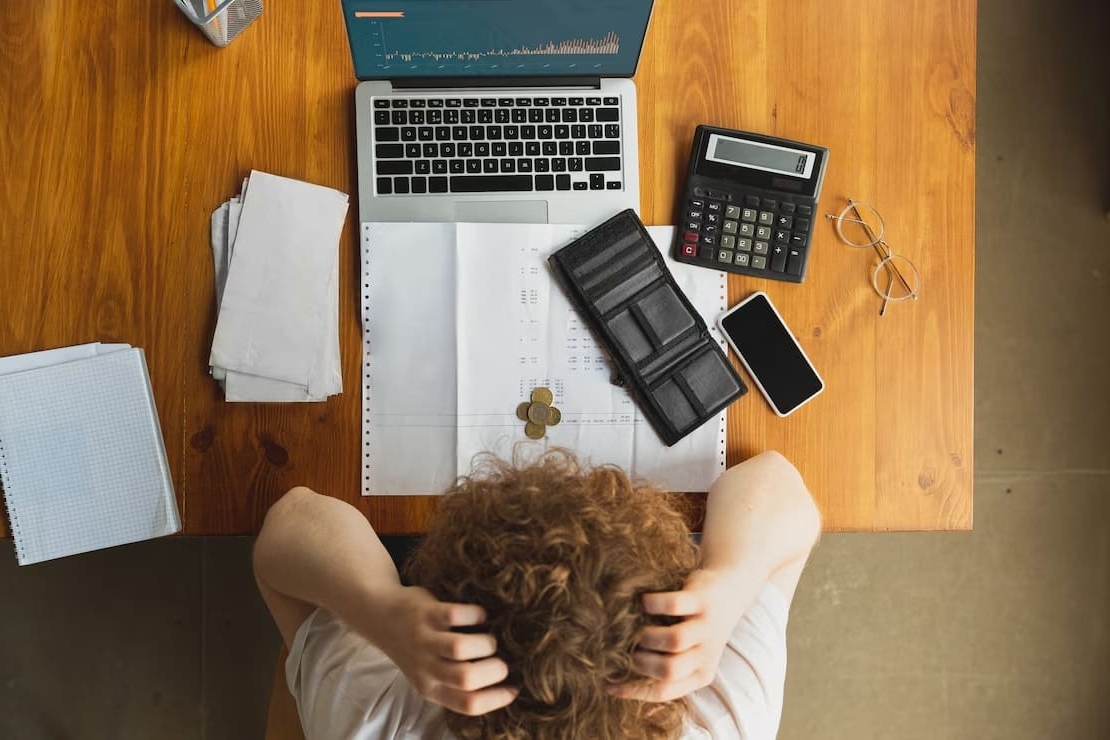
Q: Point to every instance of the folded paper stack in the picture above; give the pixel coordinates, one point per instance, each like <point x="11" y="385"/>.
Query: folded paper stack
<point x="275" y="248"/>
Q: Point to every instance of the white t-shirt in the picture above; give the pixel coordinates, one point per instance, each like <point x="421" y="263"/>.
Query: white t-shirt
<point x="347" y="689"/>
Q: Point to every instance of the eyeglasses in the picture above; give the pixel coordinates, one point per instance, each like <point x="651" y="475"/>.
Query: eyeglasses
<point x="894" y="278"/>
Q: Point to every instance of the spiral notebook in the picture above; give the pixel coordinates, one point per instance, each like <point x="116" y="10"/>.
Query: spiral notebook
<point x="455" y="340"/>
<point x="82" y="461"/>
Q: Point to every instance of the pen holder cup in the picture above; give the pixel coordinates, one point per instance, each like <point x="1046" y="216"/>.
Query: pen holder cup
<point x="221" y="20"/>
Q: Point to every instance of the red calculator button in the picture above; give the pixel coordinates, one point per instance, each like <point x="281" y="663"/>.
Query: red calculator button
<point x="689" y="249"/>
<point x="690" y="236"/>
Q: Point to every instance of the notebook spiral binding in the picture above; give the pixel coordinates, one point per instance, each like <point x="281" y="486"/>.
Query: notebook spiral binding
<point x="365" y="353"/>
<point x="5" y="486"/>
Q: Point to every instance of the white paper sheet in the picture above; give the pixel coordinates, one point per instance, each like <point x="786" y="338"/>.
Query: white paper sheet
<point x="482" y="296"/>
<point x="272" y="321"/>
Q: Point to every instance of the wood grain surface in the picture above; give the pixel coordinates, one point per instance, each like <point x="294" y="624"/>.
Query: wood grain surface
<point x="123" y="128"/>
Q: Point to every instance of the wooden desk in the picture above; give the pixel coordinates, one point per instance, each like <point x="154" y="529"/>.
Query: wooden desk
<point x="121" y="128"/>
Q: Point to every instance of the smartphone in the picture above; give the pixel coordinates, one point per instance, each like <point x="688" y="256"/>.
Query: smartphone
<point x="756" y="332"/>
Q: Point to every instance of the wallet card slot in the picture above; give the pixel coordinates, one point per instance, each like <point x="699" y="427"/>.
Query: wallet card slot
<point x="603" y="256"/>
<point x="675" y="405"/>
<point x="630" y="259"/>
<point x="662" y="315"/>
<point x="670" y="356"/>
<point x="627" y="288"/>
<point x="626" y="332"/>
<point x="708" y="380"/>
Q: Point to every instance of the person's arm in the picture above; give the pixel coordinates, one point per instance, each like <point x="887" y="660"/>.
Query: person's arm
<point x="316" y="551"/>
<point x="760" y="525"/>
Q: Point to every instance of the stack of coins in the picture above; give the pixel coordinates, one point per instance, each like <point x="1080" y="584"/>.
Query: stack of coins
<point x="538" y="413"/>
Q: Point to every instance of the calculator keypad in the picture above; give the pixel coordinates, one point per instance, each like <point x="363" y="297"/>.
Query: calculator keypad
<point x="747" y="234"/>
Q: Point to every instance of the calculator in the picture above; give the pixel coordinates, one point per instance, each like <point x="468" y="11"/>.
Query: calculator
<point x="749" y="203"/>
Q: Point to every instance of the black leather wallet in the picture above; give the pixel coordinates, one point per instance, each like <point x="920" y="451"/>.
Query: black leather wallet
<point x="617" y="279"/>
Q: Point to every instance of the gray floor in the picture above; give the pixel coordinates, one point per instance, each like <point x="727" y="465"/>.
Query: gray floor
<point x="1003" y="632"/>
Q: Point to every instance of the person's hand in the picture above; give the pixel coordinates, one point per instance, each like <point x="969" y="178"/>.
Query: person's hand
<point x="683" y="657"/>
<point x="455" y="669"/>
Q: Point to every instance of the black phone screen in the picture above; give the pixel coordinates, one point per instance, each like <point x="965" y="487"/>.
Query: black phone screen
<point x="772" y="356"/>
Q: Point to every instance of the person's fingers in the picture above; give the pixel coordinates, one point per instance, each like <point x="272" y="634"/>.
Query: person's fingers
<point x="461" y="646"/>
<point x="444" y="616"/>
<point x="674" y="603"/>
<point x="473" y="703"/>
<point x="675" y="639"/>
<point x="471" y="676"/>
<point x="668" y="667"/>
<point x="657" y="691"/>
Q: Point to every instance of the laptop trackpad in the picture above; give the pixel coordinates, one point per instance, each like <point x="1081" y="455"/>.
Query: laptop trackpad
<point x="502" y="211"/>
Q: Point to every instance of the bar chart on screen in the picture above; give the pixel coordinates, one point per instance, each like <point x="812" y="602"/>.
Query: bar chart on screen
<point x="475" y="37"/>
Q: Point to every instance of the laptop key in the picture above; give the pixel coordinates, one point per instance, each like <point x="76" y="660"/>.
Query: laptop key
<point x="457" y="167"/>
<point x="516" y="149"/>
<point x="498" y="149"/>
<point x="381" y="117"/>
<point x="544" y="132"/>
<point x="408" y="133"/>
<point x="473" y="166"/>
<point x="385" y="184"/>
<point x="607" y="147"/>
<point x="435" y="117"/>
<point x="389" y="151"/>
<point x="501" y="115"/>
<point x="481" y="149"/>
<point x="423" y="167"/>
<point x="491" y="184"/>
<point x="394" y="167"/>
<point x="580" y="185"/>
<point x="610" y="101"/>
<point x="523" y="165"/>
<point x="399" y="118"/>
<point x="612" y="131"/>
<point x="562" y="182"/>
<point x="578" y="131"/>
<point x="562" y="131"/>
<point x="540" y="101"/>
<point x="470" y="102"/>
<point x="489" y="166"/>
<point x="493" y="132"/>
<point x="535" y="115"/>
<point x="477" y="132"/>
<point x="520" y="115"/>
<point x="574" y="164"/>
<point x="512" y="132"/>
<point x="426" y="133"/>
<point x="559" y="101"/>
<point x="489" y="102"/>
<point x="570" y="115"/>
<point x="466" y="149"/>
<point x="608" y="114"/>
<point x="447" y="149"/>
<point x="435" y="103"/>
<point x="416" y="103"/>
<point x="381" y="102"/>
<point x="437" y="184"/>
<point x="401" y="185"/>
<point x="400" y="103"/>
<point x="450" y="117"/>
<point x="430" y="151"/>
<point x="527" y="132"/>
<point x="602" y="164"/>
<point x="412" y="151"/>
<point x="582" y="148"/>
<point x="485" y="115"/>
<point x="387" y="134"/>
<point x="416" y="117"/>
<point x="558" y="164"/>
<point x="523" y="101"/>
<point x="576" y="101"/>
<point x="594" y="130"/>
<point x="545" y="182"/>
<point x="597" y="181"/>
<point x="507" y="102"/>
<point x="551" y="115"/>
<point x="532" y="148"/>
<point x="419" y="185"/>
<point x="439" y="166"/>
<point x="458" y="133"/>
<point x="468" y="117"/>
<point x="613" y="185"/>
<point x="443" y="133"/>
<point x="508" y="165"/>
<point x="566" y="148"/>
<point x="586" y="115"/>
<point x="593" y="101"/>
<point x="453" y="102"/>
<point x="541" y="165"/>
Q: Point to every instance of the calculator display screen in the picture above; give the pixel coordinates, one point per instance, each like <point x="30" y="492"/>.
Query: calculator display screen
<point x="759" y="156"/>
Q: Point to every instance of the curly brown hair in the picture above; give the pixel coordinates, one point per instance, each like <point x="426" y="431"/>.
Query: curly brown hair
<point x="559" y="554"/>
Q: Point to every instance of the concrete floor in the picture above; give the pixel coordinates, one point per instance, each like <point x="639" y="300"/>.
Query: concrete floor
<point x="1000" y="633"/>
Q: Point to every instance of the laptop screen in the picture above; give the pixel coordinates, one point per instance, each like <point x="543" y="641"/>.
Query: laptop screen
<point x="496" y="38"/>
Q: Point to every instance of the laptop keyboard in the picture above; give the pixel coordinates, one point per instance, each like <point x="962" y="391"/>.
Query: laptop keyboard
<point x="482" y="145"/>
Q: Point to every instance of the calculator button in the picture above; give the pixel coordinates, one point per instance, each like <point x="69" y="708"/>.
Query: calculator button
<point x="786" y="207"/>
<point x="794" y="262"/>
<point x="798" y="241"/>
<point x="804" y="210"/>
<point x="693" y="225"/>
<point x="690" y="236"/>
<point x="705" y="253"/>
<point x="744" y="245"/>
<point x="747" y="230"/>
<point x="759" y="262"/>
<point x="762" y="248"/>
<point x="766" y="218"/>
<point x="718" y="195"/>
<point x="763" y="232"/>
<point x="724" y="255"/>
<point x="697" y="203"/>
<point x="783" y="222"/>
<point x="709" y="240"/>
<point x="712" y="218"/>
<point x="694" y="214"/>
<point x="732" y="212"/>
<point x="778" y="260"/>
<point x="752" y="200"/>
<point x="742" y="259"/>
<point x="749" y="215"/>
<point x="689" y="249"/>
<point x="730" y="227"/>
<point x="782" y="236"/>
<point x="709" y="229"/>
<point x="769" y="204"/>
<point x="802" y="224"/>
<point x="728" y="241"/>
<point x="714" y="206"/>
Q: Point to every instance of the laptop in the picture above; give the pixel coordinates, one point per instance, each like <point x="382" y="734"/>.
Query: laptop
<point x="496" y="111"/>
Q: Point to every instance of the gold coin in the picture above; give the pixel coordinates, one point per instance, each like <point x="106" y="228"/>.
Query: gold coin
<point x="554" y="416"/>
<point x="538" y="413"/>
<point x="542" y="395"/>
<point x="522" y="411"/>
<point x="534" y="431"/>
